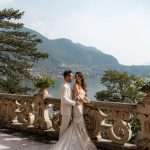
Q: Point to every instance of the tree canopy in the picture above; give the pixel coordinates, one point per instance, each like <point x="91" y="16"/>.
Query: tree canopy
<point x="120" y="86"/>
<point x="18" y="52"/>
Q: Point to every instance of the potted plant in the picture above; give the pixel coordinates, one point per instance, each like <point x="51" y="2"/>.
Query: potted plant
<point x="43" y="82"/>
<point x="146" y="88"/>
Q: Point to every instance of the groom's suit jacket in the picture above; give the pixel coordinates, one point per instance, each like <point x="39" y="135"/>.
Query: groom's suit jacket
<point x="66" y="99"/>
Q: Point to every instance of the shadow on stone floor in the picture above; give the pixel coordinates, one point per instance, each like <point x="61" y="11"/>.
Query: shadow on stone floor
<point x="12" y="142"/>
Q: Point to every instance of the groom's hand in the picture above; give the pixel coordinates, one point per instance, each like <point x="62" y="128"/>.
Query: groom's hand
<point x="78" y="102"/>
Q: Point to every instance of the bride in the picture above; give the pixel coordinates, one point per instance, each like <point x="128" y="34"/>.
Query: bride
<point x="76" y="137"/>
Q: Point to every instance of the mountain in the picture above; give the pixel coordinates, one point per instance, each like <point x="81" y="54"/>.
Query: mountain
<point x="63" y="54"/>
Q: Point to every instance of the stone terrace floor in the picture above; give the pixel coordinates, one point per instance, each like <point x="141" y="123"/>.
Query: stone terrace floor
<point x="14" y="142"/>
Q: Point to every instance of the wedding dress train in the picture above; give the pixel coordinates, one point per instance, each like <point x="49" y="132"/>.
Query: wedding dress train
<point x="75" y="136"/>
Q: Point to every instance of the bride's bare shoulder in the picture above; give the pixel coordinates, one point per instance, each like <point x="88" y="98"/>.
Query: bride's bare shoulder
<point x="75" y="86"/>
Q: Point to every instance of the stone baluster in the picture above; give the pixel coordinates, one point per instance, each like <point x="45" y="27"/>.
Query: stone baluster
<point x="93" y="118"/>
<point x="119" y="130"/>
<point x="143" y="110"/>
<point x="7" y="111"/>
<point x="24" y="112"/>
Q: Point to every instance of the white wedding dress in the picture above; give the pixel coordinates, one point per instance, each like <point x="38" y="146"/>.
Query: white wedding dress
<point x="75" y="137"/>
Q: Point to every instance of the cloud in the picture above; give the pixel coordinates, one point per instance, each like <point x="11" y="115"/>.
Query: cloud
<point x="3" y="2"/>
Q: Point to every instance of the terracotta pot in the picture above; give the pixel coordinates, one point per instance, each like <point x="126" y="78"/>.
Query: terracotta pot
<point x="147" y="97"/>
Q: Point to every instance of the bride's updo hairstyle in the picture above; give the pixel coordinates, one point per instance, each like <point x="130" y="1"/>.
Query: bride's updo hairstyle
<point x="83" y="84"/>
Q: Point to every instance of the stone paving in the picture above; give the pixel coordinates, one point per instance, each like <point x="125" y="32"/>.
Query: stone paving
<point x="12" y="142"/>
<point x="15" y="141"/>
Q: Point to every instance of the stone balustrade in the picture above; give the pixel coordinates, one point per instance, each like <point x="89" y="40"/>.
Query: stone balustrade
<point x="109" y="124"/>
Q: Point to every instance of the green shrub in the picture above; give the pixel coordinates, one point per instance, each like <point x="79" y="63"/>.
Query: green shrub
<point x="44" y="81"/>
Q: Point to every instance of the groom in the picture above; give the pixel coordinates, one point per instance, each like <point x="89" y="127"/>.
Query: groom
<point x="66" y="101"/>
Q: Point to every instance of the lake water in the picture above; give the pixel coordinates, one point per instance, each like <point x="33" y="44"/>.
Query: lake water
<point x="93" y="85"/>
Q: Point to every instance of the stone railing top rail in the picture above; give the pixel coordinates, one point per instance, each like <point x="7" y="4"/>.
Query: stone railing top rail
<point x="14" y="96"/>
<point x="115" y="105"/>
<point x="98" y="104"/>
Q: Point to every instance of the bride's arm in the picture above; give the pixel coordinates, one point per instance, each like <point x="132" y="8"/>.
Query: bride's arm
<point x="77" y="94"/>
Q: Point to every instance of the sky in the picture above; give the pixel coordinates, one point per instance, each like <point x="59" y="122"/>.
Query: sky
<point x="117" y="27"/>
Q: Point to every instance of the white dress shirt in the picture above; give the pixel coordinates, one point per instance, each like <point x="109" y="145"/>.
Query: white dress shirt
<point x="66" y="99"/>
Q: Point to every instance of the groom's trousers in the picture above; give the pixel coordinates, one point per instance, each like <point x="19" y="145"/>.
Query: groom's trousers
<point x="65" y="122"/>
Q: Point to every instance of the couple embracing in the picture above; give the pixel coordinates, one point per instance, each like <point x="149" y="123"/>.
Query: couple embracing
<point x="73" y="134"/>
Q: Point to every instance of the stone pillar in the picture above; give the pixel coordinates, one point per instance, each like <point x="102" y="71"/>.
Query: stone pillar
<point x="143" y="110"/>
<point x="42" y="120"/>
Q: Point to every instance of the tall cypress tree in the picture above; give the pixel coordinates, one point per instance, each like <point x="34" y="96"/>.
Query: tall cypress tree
<point x="18" y="52"/>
